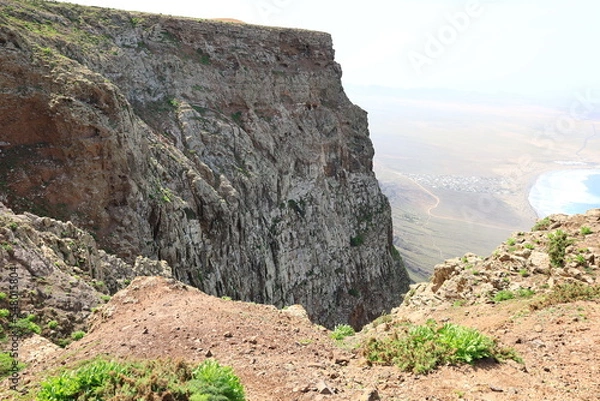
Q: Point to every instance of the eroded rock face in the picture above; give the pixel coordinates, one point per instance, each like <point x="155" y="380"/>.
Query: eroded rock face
<point x="230" y="151"/>
<point x="58" y="272"/>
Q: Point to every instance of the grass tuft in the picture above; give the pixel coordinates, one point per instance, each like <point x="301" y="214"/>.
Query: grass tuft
<point x="505" y="295"/>
<point x="566" y="293"/>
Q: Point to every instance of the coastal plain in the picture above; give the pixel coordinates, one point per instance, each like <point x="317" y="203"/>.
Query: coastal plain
<point x="458" y="168"/>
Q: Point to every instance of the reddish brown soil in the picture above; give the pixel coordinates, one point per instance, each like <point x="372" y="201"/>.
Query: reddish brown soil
<point x="280" y="355"/>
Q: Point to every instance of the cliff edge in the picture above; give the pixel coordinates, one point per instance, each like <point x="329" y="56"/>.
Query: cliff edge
<point x="230" y="151"/>
<point x="536" y="297"/>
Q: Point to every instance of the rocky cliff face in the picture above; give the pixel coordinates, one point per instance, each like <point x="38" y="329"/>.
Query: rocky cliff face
<point x="58" y="273"/>
<point x="228" y="150"/>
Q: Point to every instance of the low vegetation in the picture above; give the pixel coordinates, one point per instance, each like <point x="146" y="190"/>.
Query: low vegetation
<point x="541" y="224"/>
<point x="6" y="365"/>
<point x="557" y="245"/>
<point x="26" y="326"/>
<point x="52" y="324"/>
<point x="77" y="335"/>
<point x="566" y="293"/>
<point x="341" y="331"/>
<point x="505" y="295"/>
<point x="422" y="348"/>
<point x="102" y="379"/>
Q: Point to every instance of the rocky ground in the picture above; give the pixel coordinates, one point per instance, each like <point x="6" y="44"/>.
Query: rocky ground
<point x="281" y="355"/>
<point x="61" y="274"/>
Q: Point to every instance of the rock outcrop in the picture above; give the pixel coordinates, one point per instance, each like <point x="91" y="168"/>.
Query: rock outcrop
<point x="560" y="249"/>
<point x="58" y="273"/>
<point x="230" y="151"/>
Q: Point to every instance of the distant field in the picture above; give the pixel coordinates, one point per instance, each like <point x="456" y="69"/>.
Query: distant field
<point x="458" y="171"/>
<point x="461" y="227"/>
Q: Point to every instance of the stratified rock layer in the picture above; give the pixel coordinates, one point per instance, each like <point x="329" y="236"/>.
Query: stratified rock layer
<point x="228" y="150"/>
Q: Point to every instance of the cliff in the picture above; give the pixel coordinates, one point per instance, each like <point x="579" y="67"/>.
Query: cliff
<point x="229" y="151"/>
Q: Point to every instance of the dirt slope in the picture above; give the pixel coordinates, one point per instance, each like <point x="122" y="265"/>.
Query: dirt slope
<point x="280" y="355"/>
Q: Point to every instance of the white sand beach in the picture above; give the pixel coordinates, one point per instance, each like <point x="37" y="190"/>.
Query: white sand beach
<point x="559" y="191"/>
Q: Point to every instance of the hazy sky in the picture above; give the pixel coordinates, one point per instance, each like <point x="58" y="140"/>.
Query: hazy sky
<point x="531" y="47"/>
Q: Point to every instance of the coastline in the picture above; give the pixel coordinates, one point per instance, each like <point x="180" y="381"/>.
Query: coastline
<point x="563" y="191"/>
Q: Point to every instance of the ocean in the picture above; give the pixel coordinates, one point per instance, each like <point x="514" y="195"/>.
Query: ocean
<point x="566" y="191"/>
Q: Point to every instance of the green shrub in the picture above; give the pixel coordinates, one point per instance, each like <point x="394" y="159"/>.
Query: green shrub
<point x="524" y="273"/>
<point x="525" y="293"/>
<point x="585" y="230"/>
<point x="77" y="335"/>
<point x="102" y="379"/>
<point x="213" y="382"/>
<point x="342" y="331"/>
<point x="6" y="365"/>
<point x="357" y="240"/>
<point x="503" y="295"/>
<point x="237" y="117"/>
<point x="98" y="284"/>
<point x="558" y="243"/>
<point x="89" y="382"/>
<point x="511" y="241"/>
<point x="421" y="348"/>
<point x="541" y="224"/>
<point x="52" y="324"/>
<point x="4" y="313"/>
<point x="529" y="246"/>
<point x="7" y="247"/>
<point x="25" y="326"/>
<point x="3" y="296"/>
